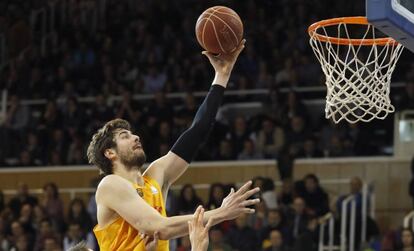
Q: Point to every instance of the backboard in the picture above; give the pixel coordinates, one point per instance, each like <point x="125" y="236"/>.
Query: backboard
<point x="395" y="18"/>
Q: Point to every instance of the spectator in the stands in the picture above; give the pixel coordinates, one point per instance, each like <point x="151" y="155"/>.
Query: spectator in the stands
<point x="285" y="196"/>
<point x="45" y="231"/>
<point x="282" y="76"/>
<point x="316" y="198"/>
<point x="286" y="160"/>
<point x="298" y="133"/>
<point x="270" y="139"/>
<point x="51" y="118"/>
<point x="308" y="240"/>
<point x="74" y="118"/>
<point x="241" y="236"/>
<point x="336" y="147"/>
<point x="184" y="116"/>
<point x="355" y="190"/>
<point x="51" y="244"/>
<point x="293" y="108"/>
<point x="39" y="214"/>
<point x="17" y="116"/>
<point x="76" y="152"/>
<point x="268" y="193"/>
<point x="407" y="240"/>
<point x="73" y="236"/>
<point x="33" y="147"/>
<point x="100" y="112"/>
<point x="297" y="218"/>
<point x="18" y="231"/>
<point x="77" y="213"/>
<point x="225" y="151"/>
<point x="128" y="108"/>
<point x="22" y="197"/>
<point x="276" y="220"/>
<point x="216" y="196"/>
<point x="22" y="244"/>
<point x="259" y="219"/>
<point x="329" y="130"/>
<point x="276" y="242"/>
<point x="53" y="205"/>
<point x="154" y="80"/>
<point x="188" y="200"/>
<point x="160" y="109"/>
<point x="310" y="150"/>
<point x="239" y="134"/>
<point x="26" y="219"/>
<point x="25" y="159"/>
<point x="249" y="151"/>
<point x="58" y="147"/>
<point x="217" y="241"/>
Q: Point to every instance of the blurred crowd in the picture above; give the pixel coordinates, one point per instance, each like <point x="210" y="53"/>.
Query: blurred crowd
<point x="41" y="223"/>
<point x="287" y="219"/>
<point x="149" y="47"/>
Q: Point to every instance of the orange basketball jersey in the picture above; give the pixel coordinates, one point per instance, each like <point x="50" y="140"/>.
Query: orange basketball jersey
<point x="119" y="235"/>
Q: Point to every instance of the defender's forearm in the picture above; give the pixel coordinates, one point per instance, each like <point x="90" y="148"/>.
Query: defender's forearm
<point x="177" y="226"/>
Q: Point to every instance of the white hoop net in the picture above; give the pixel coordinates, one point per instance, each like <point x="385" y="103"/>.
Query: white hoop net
<point x="358" y="76"/>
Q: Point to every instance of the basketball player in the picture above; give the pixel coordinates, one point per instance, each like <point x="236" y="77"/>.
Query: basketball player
<point x="196" y="229"/>
<point x="131" y="203"/>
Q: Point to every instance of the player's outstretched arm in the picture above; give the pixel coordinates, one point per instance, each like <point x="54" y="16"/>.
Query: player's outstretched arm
<point x="120" y="196"/>
<point x="170" y="167"/>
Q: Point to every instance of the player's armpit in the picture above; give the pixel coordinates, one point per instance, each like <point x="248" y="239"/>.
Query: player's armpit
<point x="167" y="169"/>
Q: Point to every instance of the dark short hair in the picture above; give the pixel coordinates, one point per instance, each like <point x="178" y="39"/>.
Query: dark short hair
<point x="54" y="188"/>
<point x="313" y="177"/>
<point x="104" y="139"/>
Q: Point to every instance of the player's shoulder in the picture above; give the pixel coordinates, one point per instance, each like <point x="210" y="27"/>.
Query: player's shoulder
<point x="110" y="184"/>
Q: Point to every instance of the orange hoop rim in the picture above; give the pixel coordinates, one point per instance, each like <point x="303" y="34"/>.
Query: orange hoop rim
<point x="312" y="30"/>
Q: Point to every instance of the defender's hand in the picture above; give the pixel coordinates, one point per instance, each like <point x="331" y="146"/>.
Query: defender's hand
<point x="236" y="203"/>
<point x="198" y="232"/>
<point x="151" y="242"/>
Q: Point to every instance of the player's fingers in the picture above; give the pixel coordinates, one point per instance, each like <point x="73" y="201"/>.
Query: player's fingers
<point x="200" y="218"/>
<point x="247" y="203"/>
<point x="190" y="226"/>
<point x="156" y="236"/>
<point x="244" y="188"/>
<point x="241" y="46"/>
<point x="249" y="210"/>
<point x="250" y="193"/>
<point x="197" y="215"/>
<point x="146" y="239"/>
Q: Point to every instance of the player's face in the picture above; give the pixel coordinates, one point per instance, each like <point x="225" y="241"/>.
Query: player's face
<point x="129" y="149"/>
<point x="407" y="238"/>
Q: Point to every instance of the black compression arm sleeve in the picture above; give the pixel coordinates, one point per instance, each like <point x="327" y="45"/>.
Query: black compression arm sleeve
<point x="188" y="143"/>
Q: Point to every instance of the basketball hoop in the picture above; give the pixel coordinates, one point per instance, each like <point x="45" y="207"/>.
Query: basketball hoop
<point x="358" y="68"/>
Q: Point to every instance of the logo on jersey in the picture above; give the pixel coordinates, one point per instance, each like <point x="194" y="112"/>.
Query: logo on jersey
<point x="154" y="190"/>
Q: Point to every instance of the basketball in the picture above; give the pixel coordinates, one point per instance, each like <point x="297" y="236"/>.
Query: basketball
<point x="219" y="29"/>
